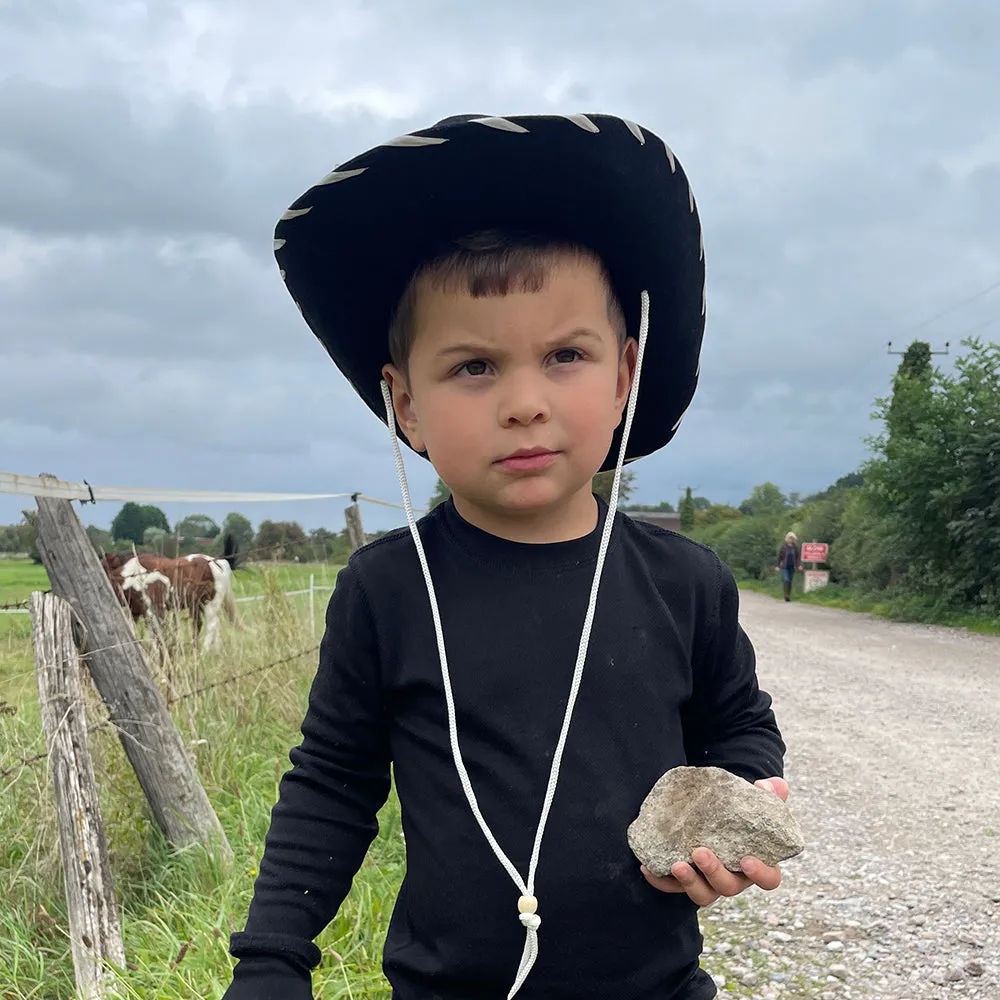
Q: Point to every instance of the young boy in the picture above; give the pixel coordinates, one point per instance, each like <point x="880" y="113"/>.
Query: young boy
<point x="527" y="660"/>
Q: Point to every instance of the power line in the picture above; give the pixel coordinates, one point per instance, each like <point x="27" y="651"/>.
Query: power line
<point x="950" y="309"/>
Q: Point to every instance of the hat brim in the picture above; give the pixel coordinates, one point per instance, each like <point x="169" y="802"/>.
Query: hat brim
<point x="348" y="247"/>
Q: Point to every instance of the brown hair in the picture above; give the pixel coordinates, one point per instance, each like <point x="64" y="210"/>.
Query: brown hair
<point x="492" y="263"/>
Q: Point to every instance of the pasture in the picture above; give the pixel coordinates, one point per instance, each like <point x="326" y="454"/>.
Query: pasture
<point x="177" y="908"/>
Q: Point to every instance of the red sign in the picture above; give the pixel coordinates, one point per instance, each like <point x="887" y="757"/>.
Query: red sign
<point x="815" y="552"/>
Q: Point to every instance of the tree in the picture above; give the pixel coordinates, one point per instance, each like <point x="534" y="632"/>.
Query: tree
<point x="749" y="547"/>
<point x="687" y="511"/>
<point x="916" y="361"/>
<point x="30" y="535"/>
<point x="197" y="526"/>
<point x="440" y="494"/>
<point x="848" y="482"/>
<point x="281" y="540"/>
<point x="329" y="546"/>
<point x="100" y="539"/>
<point x="911" y="389"/>
<point x="701" y="503"/>
<point x="929" y="507"/>
<point x="603" y="482"/>
<point x="765" y="500"/>
<point x="717" y="513"/>
<point x="663" y="507"/>
<point x="153" y="538"/>
<point x="18" y="538"/>
<point x="133" y="519"/>
<point x="237" y="527"/>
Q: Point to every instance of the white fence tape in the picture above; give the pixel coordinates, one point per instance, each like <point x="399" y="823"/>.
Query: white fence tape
<point x="35" y="486"/>
<point x="314" y="589"/>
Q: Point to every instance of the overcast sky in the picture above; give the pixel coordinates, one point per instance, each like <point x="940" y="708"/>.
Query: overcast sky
<point x="845" y="156"/>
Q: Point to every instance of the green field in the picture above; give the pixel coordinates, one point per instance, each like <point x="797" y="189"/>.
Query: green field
<point x="18" y="578"/>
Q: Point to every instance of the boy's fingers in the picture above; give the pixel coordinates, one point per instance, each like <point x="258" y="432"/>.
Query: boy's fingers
<point x="777" y="785"/>
<point x="722" y="881"/>
<point x="694" y="883"/>
<point x="684" y="880"/>
<point x="760" y="874"/>
<point x="665" y="883"/>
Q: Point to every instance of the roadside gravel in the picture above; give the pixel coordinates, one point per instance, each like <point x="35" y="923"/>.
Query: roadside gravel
<point x="893" y="736"/>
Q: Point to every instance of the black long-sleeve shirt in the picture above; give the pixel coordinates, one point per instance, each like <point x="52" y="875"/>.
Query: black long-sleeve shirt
<point x="670" y="679"/>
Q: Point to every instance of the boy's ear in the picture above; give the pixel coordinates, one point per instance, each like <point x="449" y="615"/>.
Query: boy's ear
<point x="402" y="404"/>
<point x="626" y="372"/>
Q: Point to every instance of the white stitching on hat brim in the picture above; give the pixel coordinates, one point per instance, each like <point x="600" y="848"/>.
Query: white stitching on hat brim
<point x="336" y="176"/>
<point x="501" y="124"/>
<point x="582" y="121"/>
<point x="636" y="130"/>
<point x="413" y="141"/>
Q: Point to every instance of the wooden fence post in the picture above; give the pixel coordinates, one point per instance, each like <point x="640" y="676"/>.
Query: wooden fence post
<point x="94" y="928"/>
<point x="355" y="530"/>
<point x="151" y="741"/>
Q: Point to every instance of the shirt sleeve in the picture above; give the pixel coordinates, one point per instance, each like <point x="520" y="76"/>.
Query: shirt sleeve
<point x="728" y="721"/>
<point x="325" y="817"/>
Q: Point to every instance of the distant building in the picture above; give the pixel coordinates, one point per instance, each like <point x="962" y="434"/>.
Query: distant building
<point x="671" y="521"/>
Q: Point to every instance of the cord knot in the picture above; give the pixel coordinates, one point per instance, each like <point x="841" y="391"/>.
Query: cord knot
<point x="527" y="909"/>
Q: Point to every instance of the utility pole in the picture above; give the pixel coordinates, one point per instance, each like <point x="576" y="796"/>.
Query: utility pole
<point x="947" y="349"/>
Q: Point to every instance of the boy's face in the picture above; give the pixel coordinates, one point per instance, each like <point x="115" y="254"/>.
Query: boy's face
<point x="515" y="398"/>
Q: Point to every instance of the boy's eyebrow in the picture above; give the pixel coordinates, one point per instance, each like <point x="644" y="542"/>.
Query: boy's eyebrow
<point x="469" y="348"/>
<point x="465" y="348"/>
<point x="580" y="333"/>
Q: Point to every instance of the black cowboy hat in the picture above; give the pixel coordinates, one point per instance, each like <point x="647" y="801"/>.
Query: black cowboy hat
<point x="348" y="247"/>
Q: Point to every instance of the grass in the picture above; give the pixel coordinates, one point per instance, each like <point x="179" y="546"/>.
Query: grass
<point x="897" y="607"/>
<point x="18" y="578"/>
<point x="178" y="908"/>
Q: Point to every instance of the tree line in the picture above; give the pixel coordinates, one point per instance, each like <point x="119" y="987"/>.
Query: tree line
<point x="918" y="525"/>
<point x="146" y="527"/>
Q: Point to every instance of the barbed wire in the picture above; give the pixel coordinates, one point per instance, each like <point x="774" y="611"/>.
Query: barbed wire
<point x="244" y="674"/>
<point x="232" y="679"/>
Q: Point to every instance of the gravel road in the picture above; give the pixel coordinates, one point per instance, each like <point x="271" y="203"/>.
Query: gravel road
<point x="893" y="736"/>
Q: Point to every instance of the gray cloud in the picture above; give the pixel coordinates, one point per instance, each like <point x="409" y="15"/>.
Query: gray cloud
<point x="844" y="156"/>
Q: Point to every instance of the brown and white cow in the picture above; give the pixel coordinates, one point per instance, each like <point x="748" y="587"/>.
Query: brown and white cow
<point x="151" y="586"/>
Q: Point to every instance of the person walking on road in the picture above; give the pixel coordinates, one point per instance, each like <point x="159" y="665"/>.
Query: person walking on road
<point x="788" y="562"/>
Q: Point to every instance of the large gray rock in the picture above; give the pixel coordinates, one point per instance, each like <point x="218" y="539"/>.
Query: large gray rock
<point x="692" y="807"/>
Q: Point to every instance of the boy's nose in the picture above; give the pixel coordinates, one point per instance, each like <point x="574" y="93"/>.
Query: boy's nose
<point x="524" y="401"/>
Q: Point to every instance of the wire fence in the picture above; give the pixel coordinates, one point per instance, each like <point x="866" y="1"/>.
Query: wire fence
<point x="311" y="590"/>
<point x="21" y="607"/>
<point x="37" y="758"/>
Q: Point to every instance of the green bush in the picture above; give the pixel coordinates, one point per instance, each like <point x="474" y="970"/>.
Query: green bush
<point x="748" y="546"/>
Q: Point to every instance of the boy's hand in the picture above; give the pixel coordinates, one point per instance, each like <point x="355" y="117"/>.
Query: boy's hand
<point x="706" y="883"/>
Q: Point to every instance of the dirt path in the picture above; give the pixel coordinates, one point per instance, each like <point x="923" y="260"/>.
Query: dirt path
<point x="893" y="736"/>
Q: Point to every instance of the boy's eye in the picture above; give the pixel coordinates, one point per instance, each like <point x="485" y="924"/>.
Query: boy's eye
<point x="475" y="367"/>
<point x="566" y="355"/>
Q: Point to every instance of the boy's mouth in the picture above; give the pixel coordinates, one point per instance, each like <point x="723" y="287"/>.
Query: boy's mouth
<point x="528" y="459"/>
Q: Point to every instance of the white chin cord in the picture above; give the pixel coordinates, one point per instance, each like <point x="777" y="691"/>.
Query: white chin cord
<point x="527" y="904"/>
